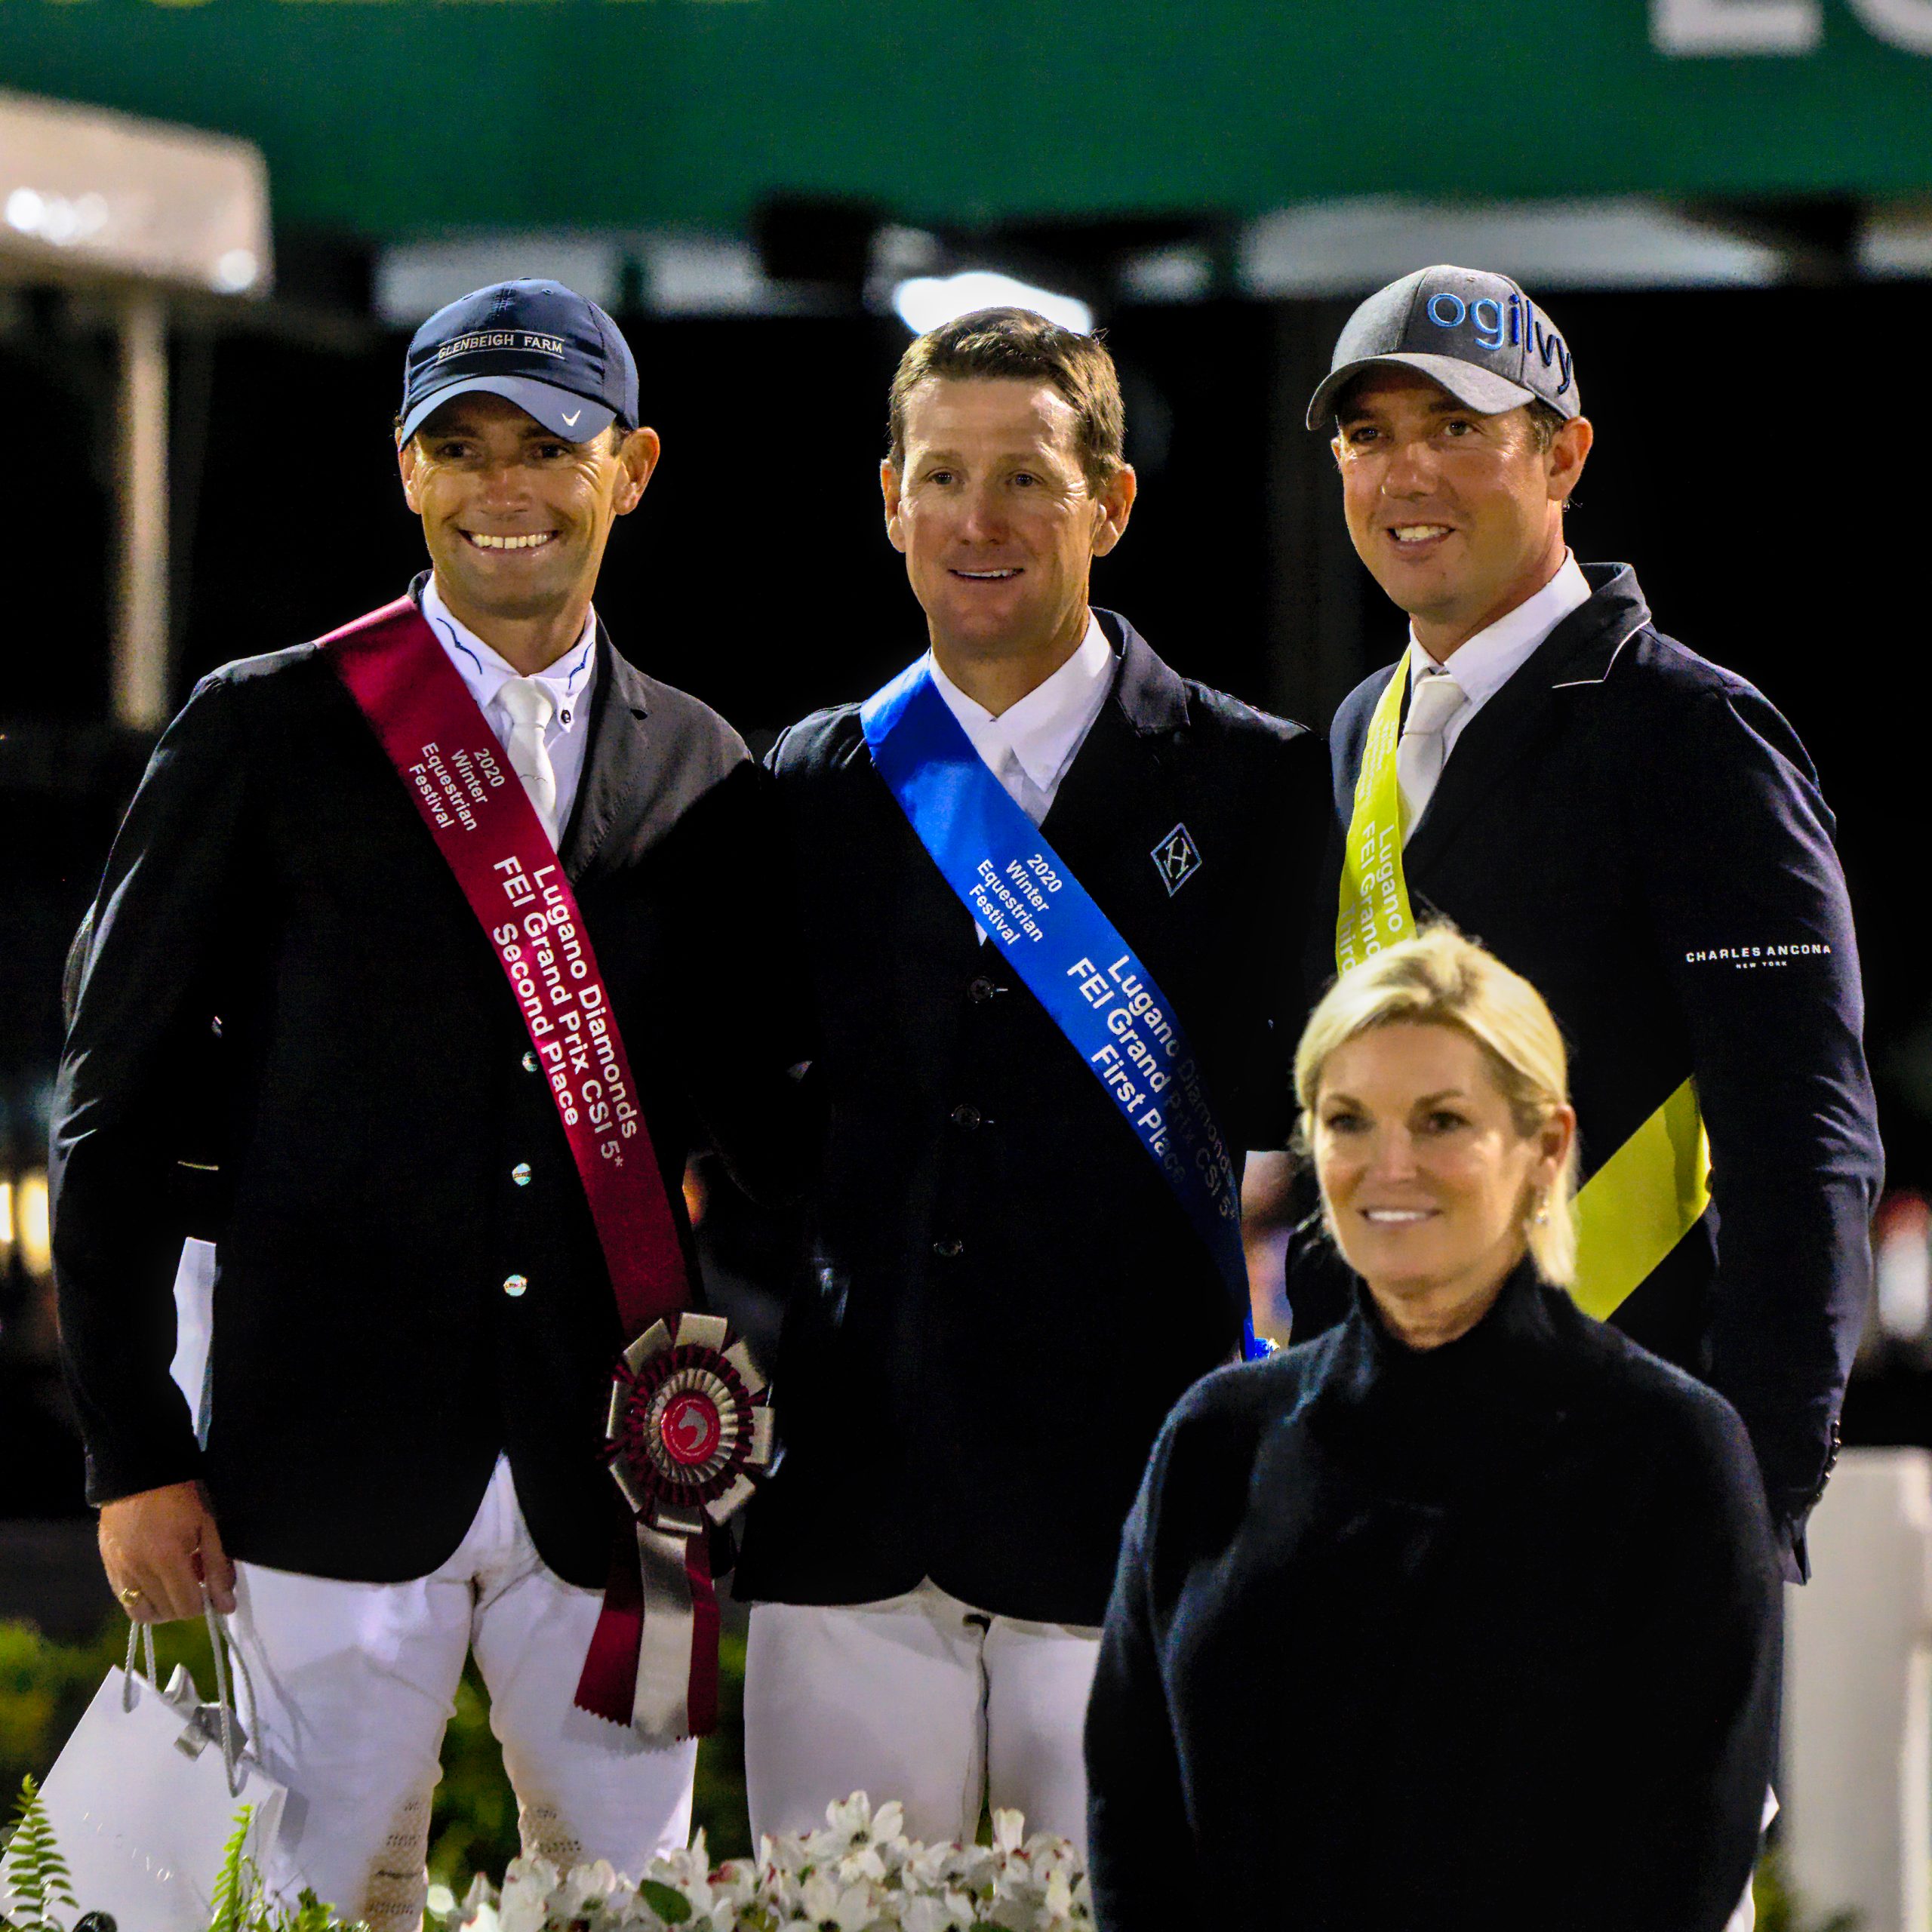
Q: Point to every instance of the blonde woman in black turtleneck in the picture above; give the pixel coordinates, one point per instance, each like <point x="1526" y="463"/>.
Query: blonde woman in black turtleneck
<point x="1467" y="1613"/>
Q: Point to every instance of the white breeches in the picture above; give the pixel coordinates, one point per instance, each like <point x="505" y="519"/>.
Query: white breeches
<point x="921" y="1698"/>
<point x="352" y="1684"/>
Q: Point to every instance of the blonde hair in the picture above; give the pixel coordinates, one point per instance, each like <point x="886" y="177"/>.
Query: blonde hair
<point x="1440" y="978"/>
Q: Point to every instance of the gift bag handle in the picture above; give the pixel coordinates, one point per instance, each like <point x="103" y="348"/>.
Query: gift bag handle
<point x="143" y="1634"/>
<point x="138" y="1633"/>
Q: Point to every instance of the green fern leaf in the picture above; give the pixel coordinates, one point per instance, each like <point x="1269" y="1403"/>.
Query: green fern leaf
<point x="37" y="1876"/>
<point x="231" y="1900"/>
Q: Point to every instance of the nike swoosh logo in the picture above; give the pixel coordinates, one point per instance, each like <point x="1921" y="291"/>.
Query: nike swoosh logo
<point x="571" y="419"/>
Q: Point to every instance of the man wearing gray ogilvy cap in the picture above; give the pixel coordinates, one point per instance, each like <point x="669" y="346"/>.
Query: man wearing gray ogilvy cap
<point x="1638" y="831"/>
<point x="1633" y="828"/>
<point x="437" y="1172"/>
<point x="1478" y="337"/>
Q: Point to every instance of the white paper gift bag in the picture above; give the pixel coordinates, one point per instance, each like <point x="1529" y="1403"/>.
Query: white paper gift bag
<point x="146" y="1795"/>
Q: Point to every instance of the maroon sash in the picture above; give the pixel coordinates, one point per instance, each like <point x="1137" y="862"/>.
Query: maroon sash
<point x="489" y="834"/>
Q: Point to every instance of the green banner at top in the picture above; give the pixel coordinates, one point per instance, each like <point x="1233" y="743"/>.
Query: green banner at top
<point x="397" y="118"/>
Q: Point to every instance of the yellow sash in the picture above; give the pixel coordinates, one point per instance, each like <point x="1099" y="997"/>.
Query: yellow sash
<point x="1648" y="1195"/>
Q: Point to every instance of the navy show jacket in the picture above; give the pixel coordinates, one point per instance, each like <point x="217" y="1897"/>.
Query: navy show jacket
<point x="1006" y="1297"/>
<point x="1642" y="834"/>
<point x="283" y="979"/>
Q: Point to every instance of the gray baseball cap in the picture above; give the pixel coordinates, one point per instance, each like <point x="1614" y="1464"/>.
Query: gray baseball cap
<point x="1476" y="333"/>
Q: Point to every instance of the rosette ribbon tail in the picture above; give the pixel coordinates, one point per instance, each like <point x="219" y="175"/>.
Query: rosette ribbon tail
<point x="607" y="1688"/>
<point x="653" y="1661"/>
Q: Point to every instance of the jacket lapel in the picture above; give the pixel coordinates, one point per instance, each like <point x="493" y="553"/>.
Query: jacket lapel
<point x="1117" y="788"/>
<point x="1577" y="654"/>
<point x="617" y="781"/>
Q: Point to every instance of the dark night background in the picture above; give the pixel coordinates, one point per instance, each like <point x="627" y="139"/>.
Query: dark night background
<point x="1766" y="517"/>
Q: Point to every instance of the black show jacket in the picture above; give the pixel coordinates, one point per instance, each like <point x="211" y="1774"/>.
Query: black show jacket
<point x="368" y="1366"/>
<point x="1641" y="835"/>
<point x="1006" y="1297"/>
<point x="1483" y="1636"/>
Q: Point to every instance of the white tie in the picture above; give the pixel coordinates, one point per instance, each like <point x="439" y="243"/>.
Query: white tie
<point x="1019" y="788"/>
<point x="528" y="704"/>
<point x="1435" y="701"/>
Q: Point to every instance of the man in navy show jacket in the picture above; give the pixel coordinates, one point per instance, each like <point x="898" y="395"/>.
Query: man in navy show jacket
<point x="1637" y="831"/>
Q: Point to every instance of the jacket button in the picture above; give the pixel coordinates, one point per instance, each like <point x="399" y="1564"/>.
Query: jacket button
<point x="530" y="1062"/>
<point x="520" y="1174"/>
<point x="981" y="990"/>
<point x="946" y="1249"/>
<point x="966" y="1117"/>
<point x="514" y="1285"/>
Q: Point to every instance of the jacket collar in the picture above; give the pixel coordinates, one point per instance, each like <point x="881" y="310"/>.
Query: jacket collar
<point x="1149" y="693"/>
<point x="1616" y="613"/>
<point x="614" y="759"/>
<point x="1426" y="1416"/>
<point x="1577" y="657"/>
<point x="612" y="762"/>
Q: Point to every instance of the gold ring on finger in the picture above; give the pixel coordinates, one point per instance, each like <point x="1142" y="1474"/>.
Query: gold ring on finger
<point x="130" y="1596"/>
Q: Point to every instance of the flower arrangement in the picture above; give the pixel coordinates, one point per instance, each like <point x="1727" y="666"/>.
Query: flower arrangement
<point x="858" y="1872"/>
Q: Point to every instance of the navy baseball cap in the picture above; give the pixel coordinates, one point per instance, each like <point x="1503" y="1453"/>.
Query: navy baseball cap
<point x="539" y="344"/>
<point x="1476" y="333"/>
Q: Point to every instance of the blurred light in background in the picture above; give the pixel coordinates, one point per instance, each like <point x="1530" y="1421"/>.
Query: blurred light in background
<point x="698" y="274"/>
<point x="1183" y="272"/>
<point x="1902" y="1256"/>
<point x="125" y="197"/>
<point x="23" y="1224"/>
<point x="1349" y="247"/>
<point x="929" y="301"/>
<point x="412" y="283"/>
<point x="36" y="1247"/>
<point x="1896" y="241"/>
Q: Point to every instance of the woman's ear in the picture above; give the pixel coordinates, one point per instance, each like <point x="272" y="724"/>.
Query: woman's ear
<point x="1557" y="1134"/>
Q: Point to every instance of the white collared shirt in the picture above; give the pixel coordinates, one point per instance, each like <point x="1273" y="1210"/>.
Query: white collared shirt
<point x="1487" y="662"/>
<point x="1029" y="746"/>
<point x="571" y="679"/>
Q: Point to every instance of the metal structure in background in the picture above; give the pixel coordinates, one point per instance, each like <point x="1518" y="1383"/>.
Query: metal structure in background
<point x="140" y="668"/>
<point x="146" y="217"/>
<point x="1857" y="1777"/>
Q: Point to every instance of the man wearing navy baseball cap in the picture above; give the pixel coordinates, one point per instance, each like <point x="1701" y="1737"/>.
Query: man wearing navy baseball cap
<point x="467" y="923"/>
<point x="1638" y="831"/>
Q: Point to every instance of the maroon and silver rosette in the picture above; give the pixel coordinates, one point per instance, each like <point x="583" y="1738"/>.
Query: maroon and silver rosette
<point x="689" y="1422"/>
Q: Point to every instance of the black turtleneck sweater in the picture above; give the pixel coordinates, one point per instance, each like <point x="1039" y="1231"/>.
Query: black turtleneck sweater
<point x="1404" y="1640"/>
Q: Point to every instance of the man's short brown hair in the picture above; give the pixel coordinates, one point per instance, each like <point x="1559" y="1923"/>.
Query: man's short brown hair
<point x="998" y="345"/>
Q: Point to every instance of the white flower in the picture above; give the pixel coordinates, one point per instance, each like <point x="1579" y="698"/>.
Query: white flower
<point x="857" y="1866"/>
<point x="857" y="1909"/>
<point x="926" y="1913"/>
<point x="819" y="1898"/>
<point x="582" y="1890"/>
<point x="857" y="1872"/>
<point x="527" y="1888"/>
<point x="1059" y="1895"/>
<point x="849" y="1823"/>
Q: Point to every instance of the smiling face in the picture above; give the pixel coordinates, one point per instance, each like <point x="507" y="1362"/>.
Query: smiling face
<point x="516" y="519"/>
<point x="1426" y="1178"/>
<point x="1459" y="516"/>
<point x="998" y="522"/>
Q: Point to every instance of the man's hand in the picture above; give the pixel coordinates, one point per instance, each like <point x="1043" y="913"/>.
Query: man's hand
<point x="163" y="1544"/>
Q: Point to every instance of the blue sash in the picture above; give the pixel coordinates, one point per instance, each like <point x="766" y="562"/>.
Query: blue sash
<point x="1067" y="949"/>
